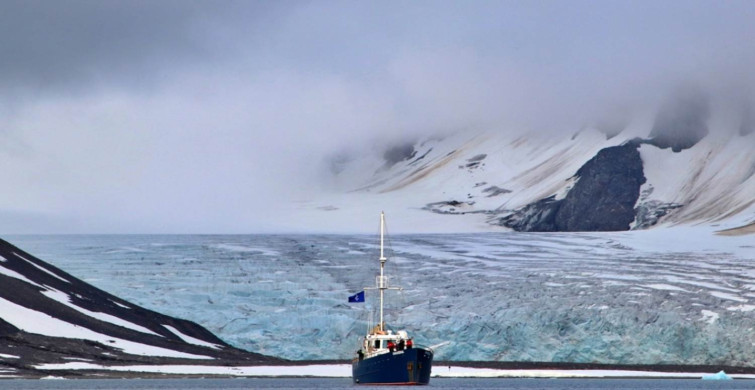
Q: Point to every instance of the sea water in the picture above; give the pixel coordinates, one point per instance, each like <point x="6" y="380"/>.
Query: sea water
<point x="345" y="383"/>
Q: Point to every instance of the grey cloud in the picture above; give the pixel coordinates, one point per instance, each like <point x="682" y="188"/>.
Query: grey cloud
<point x="48" y="45"/>
<point x="133" y="111"/>
<point x="748" y="120"/>
<point x="682" y="120"/>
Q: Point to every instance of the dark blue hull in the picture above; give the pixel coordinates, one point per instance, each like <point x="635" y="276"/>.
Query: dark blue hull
<point x="407" y="367"/>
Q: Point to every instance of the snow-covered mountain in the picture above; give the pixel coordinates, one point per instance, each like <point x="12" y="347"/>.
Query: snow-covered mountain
<point x="48" y="316"/>
<point x="681" y="165"/>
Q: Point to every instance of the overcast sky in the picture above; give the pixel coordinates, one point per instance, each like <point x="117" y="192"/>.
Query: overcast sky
<point x="205" y="116"/>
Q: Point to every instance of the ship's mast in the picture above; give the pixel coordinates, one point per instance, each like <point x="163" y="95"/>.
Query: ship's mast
<point x="381" y="281"/>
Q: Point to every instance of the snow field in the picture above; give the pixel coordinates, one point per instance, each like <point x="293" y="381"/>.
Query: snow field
<point x="33" y="321"/>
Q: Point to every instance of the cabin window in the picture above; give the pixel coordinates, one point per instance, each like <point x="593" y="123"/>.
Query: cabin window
<point x="377" y="343"/>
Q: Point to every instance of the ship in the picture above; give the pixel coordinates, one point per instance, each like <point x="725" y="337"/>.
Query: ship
<point x="385" y="356"/>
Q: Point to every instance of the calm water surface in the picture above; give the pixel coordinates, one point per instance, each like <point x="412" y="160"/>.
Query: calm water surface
<point x="345" y="383"/>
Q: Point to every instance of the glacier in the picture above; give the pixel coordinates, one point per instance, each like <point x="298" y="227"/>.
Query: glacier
<point x="666" y="296"/>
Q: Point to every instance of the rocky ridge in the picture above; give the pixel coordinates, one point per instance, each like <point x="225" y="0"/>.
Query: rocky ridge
<point x="48" y="316"/>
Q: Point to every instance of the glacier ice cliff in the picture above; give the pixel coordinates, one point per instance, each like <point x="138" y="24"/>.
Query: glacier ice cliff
<point x="626" y="298"/>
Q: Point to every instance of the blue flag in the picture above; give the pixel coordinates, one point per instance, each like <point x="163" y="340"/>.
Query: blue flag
<point x="358" y="297"/>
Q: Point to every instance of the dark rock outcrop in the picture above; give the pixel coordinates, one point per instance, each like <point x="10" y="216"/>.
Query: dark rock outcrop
<point x="495" y="191"/>
<point x="649" y="213"/>
<point x="399" y="153"/>
<point x="474" y="162"/>
<point x="539" y="216"/>
<point x="602" y="199"/>
<point x="450" y="207"/>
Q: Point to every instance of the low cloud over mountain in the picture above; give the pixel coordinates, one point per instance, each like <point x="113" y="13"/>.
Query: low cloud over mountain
<point x="687" y="162"/>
